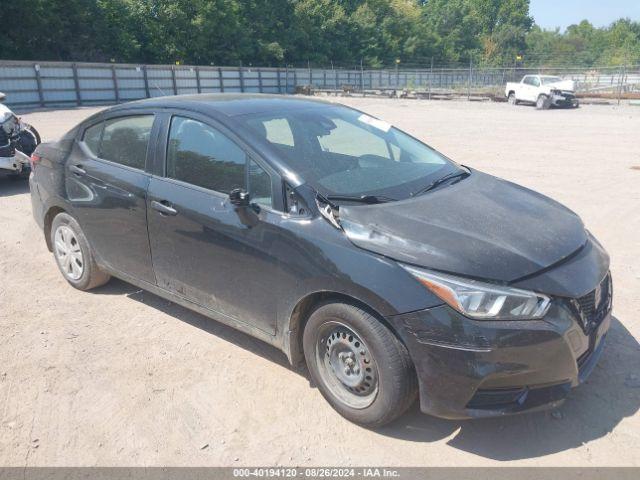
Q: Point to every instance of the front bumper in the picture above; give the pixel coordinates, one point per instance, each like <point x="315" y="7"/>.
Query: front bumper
<point x="564" y="99"/>
<point x="468" y="368"/>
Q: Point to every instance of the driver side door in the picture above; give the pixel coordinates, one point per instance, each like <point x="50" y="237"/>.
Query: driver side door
<point x="531" y="90"/>
<point x="203" y="248"/>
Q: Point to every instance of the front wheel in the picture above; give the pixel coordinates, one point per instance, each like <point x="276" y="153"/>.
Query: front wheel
<point x="543" y="102"/>
<point x="73" y="254"/>
<point x="359" y="366"/>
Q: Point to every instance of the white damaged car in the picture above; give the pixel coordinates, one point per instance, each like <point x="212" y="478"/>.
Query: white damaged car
<point x="18" y="140"/>
<point x="544" y="91"/>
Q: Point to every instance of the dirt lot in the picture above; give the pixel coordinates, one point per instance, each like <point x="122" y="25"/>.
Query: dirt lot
<point x="122" y="377"/>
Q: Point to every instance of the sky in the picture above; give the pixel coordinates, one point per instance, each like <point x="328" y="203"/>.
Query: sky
<point x="550" y="14"/>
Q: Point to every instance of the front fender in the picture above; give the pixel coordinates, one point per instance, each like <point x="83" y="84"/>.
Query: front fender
<point x="318" y="259"/>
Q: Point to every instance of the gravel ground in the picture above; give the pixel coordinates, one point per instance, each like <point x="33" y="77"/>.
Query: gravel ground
<point x="121" y="377"/>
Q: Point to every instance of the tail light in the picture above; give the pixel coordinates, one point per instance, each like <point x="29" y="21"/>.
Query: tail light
<point x="35" y="159"/>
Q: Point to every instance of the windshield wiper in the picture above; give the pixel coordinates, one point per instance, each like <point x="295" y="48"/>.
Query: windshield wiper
<point x="440" y="181"/>
<point x="370" y="199"/>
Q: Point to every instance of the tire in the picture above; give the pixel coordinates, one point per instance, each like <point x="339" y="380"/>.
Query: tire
<point x="81" y="270"/>
<point x="512" y="99"/>
<point x="382" y="382"/>
<point x="543" y="103"/>
<point x="35" y="133"/>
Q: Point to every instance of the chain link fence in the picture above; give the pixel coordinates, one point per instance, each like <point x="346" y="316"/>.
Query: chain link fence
<point x="59" y="84"/>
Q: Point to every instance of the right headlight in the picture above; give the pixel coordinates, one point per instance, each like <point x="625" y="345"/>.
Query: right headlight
<point x="482" y="300"/>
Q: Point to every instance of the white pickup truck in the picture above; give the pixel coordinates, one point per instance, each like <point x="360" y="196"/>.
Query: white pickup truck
<point x="543" y="91"/>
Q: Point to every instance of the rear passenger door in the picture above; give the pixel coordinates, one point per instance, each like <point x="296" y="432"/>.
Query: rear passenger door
<point x="106" y="185"/>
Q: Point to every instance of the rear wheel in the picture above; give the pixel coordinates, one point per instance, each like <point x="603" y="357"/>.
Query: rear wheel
<point x="73" y="254"/>
<point x="512" y="99"/>
<point x="359" y="366"/>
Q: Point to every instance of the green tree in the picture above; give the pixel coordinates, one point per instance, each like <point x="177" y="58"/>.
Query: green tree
<point x="622" y="44"/>
<point x="390" y="29"/>
<point x="321" y="32"/>
<point x="278" y="32"/>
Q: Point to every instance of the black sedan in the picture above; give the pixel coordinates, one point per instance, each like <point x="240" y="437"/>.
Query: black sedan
<point x="392" y="271"/>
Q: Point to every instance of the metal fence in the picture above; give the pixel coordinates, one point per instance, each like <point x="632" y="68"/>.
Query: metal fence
<point x="55" y="84"/>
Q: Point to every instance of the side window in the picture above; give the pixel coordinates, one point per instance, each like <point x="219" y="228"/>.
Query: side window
<point x="535" y="81"/>
<point x="125" y="140"/>
<point x="527" y="81"/>
<point x="200" y="155"/>
<point x="92" y="136"/>
<point x="349" y="139"/>
<point x="259" y="184"/>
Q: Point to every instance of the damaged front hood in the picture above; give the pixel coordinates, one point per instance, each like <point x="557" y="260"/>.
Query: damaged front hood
<point x="481" y="227"/>
<point x="564" y="85"/>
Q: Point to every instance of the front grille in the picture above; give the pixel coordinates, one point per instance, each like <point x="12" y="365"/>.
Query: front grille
<point x="594" y="306"/>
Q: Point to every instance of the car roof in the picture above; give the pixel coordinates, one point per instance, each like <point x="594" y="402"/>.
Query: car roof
<point x="229" y="104"/>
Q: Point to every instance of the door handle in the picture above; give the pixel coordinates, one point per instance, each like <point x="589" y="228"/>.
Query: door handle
<point x="163" y="208"/>
<point x="78" y="170"/>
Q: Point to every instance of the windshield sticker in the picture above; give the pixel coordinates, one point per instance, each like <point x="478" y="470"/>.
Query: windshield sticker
<point x="374" y="122"/>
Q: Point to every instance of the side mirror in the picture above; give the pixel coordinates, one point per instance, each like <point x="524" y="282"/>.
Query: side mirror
<point x="239" y="197"/>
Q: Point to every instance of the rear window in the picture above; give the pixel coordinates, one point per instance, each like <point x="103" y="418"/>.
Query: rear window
<point x="92" y="136"/>
<point x="278" y="131"/>
<point x="125" y="140"/>
<point x="121" y="140"/>
<point x="349" y="139"/>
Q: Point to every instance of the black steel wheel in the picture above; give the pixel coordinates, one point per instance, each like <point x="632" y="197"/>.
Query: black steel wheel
<point x="360" y="367"/>
<point x="346" y="365"/>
